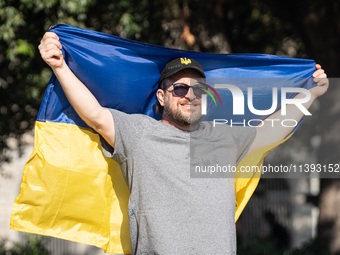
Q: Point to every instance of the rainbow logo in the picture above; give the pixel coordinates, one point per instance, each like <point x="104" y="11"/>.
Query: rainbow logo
<point x="211" y="95"/>
<point x="204" y="98"/>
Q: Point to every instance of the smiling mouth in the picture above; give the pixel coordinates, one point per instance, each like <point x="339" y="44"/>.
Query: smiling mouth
<point x="189" y="105"/>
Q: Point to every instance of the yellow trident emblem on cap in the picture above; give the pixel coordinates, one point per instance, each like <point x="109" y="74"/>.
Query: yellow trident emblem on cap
<point x="185" y="61"/>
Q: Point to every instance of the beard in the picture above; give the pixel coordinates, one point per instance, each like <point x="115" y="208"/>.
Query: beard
<point x="178" y="117"/>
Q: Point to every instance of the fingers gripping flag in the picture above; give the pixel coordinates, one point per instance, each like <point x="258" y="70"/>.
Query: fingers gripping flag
<point x="70" y="190"/>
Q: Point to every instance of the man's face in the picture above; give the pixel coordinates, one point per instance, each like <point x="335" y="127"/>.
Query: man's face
<point x="183" y="110"/>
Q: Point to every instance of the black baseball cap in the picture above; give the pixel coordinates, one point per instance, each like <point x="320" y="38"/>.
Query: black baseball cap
<point x="177" y="64"/>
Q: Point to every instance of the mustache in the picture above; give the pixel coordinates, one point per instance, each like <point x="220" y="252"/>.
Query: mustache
<point x="185" y="101"/>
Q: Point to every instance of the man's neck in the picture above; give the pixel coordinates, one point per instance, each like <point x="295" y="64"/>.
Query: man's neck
<point x="170" y="122"/>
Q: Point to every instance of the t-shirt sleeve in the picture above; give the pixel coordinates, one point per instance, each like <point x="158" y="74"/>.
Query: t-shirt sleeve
<point x="127" y="135"/>
<point x="243" y="137"/>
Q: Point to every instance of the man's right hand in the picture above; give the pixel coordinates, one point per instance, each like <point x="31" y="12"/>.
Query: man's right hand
<point x="50" y="50"/>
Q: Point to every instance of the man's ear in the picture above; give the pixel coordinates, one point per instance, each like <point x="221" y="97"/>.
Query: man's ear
<point x="160" y="96"/>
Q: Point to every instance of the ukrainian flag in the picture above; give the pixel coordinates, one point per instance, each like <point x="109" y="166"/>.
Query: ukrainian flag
<point x="69" y="189"/>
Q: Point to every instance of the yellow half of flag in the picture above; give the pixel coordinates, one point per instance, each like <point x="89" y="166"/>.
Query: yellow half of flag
<point x="70" y="190"/>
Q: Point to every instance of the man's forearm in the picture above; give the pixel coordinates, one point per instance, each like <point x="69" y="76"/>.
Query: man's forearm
<point x="273" y="131"/>
<point x="276" y="133"/>
<point x="79" y="96"/>
<point x="81" y="99"/>
<point x="271" y="134"/>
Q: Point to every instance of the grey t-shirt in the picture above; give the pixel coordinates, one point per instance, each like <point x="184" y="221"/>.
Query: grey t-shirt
<point x="170" y="212"/>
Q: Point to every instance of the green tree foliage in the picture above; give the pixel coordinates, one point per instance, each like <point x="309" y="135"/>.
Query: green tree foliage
<point x="137" y="20"/>
<point x="23" y="75"/>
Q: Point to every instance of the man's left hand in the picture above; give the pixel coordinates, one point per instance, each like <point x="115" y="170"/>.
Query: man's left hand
<point x="320" y="78"/>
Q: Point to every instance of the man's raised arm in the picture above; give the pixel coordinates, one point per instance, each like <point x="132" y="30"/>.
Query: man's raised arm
<point x="81" y="99"/>
<point x="270" y="133"/>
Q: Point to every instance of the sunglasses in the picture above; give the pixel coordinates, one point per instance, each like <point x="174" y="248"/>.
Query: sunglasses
<point x="181" y="89"/>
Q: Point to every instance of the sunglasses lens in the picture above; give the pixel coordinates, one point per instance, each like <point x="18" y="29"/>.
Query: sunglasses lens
<point x="199" y="92"/>
<point x="181" y="89"/>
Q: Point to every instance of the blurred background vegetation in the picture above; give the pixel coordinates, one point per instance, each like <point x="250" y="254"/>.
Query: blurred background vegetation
<point x="33" y="246"/>
<point x="299" y="28"/>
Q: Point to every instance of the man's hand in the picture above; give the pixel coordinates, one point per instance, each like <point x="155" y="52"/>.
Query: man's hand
<point x="50" y="50"/>
<point x="320" y="78"/>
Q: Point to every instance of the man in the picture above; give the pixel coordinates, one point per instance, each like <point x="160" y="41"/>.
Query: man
<point x="169" y="212"/>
